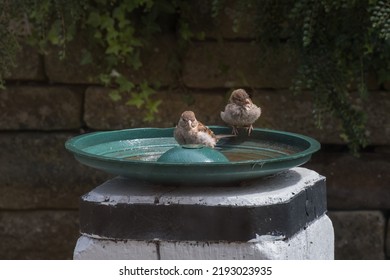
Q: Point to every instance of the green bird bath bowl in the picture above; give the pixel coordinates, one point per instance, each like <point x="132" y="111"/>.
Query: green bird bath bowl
<point x="192" y="153"/>
<point x="153" y="155"/>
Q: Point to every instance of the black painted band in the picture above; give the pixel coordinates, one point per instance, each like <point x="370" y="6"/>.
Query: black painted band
<point x="203" y="223"/>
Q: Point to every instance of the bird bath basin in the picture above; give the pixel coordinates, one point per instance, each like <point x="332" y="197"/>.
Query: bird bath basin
<point x="134" y="153"/>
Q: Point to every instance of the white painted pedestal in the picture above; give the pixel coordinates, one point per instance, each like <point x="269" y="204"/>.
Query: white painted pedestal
<point x="277" y="217"/>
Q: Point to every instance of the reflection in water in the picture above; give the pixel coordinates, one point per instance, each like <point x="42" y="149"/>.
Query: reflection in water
<point x="247" y="151"/>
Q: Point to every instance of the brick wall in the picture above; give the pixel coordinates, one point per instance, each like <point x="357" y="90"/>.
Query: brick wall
<point x="48" y="100"/>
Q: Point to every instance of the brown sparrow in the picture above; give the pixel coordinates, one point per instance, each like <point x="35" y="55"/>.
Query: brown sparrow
<point x="191" y="131"/>
<point x="240" y="111"/>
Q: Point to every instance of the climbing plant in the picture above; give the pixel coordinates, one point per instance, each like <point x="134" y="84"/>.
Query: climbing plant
<point x="338" y="43"/>
<point x="120" y="28"/>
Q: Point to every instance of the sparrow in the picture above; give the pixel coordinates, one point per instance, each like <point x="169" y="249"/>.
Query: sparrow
<point x="240" y="111"/>
<point x="191" y="131"/>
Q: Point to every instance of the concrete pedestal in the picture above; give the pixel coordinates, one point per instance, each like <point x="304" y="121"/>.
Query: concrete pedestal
<point x="277" y="217"/>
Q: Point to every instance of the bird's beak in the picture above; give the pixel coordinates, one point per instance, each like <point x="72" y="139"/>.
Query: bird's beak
<point x="248" y="101"/>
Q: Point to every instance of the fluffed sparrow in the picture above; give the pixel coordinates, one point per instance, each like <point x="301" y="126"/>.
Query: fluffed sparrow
<point x="191" y="131"/>
<point x="240" y="111"/>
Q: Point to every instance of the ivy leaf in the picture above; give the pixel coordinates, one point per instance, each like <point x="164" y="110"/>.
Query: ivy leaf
<point x="135" y="100"/>
<point x="107" y="23"/>
<point x="86" y="57"/>
<point x="54" y="34"/>
<point x="149" y="117"/>
<point x="113" y="49"/>
<point x="135" y="61"/>
<point x="124" y="84"/>
<point x="94" y="19"/>
<point x="153" y="105"/>
<point x="105" y="79"/>
<point x="146" y="90"/>
<point x="200" y="35"/>
<point x="115" y="95"/>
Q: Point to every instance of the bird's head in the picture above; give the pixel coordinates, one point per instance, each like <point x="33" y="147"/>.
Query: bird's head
<point x="188" y="120"/>
<point x="241" y="98"/>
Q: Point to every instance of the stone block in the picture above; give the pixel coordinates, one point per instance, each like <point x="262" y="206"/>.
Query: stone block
<point x="38" y="235"/>
<point x="281" y="110"/>
<point x="28" y="65"/>
<point x="314" y="242"/>
<point x="278" y="205"/>
<point x="354" y="183"/>
<point x="234" y="20"/>
<point x="386" y="85"/>
<point x="206" y="105"/>
<point x="376" y="107"/>
<point x="118" y="115"/>
<point x="43" y="108"/>
<point x="157" y="62"/>
<point x="297" y="116"/>
<point x="276" y="217"/>
<point x="359" y="235"/>
<point x="37" y="172"/>
<point x="69" y="70"/>
<point x="155" y="58"/>
<point x="388" y="239"/>
<point x="237" y="64"/>
<point x="372" y="82"/>
<point x="89" y="248"/>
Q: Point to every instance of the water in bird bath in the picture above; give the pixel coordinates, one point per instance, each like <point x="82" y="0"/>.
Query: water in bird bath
<point x="134" y="153"/>
<point x="245" y="151"/>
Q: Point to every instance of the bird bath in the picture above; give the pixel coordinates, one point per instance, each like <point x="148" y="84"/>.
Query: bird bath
<point x="134" y="153"/>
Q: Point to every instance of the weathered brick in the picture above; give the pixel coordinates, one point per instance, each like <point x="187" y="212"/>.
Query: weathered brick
<point x="28" y="65"/>
<point x="234" y="64"/>
<point x="354" y="183"/>
<point x="372" y="82"/>
<point x="43" y="235"/>
<point x="281" y="110"/>
<point x="157" y="62"/>
<point x="37" y="172"/>
<point x="155" y="58"/>
<point x="294" y="113"/>
<point x="43" y="108"/>
<point x="386" y="85"/>
<point x="69" y="69"/>
<point x="223" y="24"/>
<point x="117" y="115"/>
<point x="378" y="125"/>
<point x="388" y="239"/>
<point x="359" y="235"/>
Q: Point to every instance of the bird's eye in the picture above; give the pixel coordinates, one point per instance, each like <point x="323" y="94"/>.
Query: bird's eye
<point x="238" y="98"/>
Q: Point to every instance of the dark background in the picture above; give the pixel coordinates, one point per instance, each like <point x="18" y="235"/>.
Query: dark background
<point x="47" y="101"/>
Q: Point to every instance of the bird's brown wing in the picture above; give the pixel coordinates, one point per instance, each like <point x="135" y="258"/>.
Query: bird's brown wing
<point x="203" y="128"/>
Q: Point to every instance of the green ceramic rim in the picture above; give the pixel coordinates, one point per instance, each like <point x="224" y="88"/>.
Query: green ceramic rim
<point x="78" y="143"/>
<point x="93" y="150"/>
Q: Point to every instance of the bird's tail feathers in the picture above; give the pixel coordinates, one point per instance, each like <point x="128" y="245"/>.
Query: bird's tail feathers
<point x="220" y="136"/>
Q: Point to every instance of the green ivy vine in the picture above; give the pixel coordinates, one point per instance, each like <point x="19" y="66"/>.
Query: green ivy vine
<point x="121" y="28"/>
<point x="338" y="42"/>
